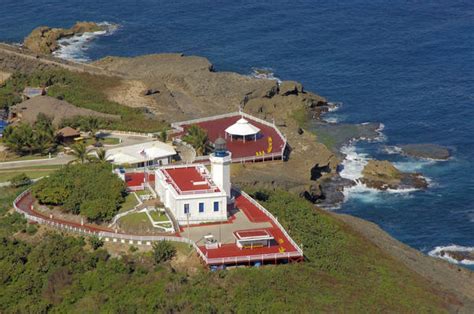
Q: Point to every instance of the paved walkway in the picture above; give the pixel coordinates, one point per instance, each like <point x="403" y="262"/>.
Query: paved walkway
<point x="223" y="232"/>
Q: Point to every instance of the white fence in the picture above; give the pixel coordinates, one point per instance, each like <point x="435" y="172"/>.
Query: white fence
<point x="147" y="240"/>
<point x="127" y="133"/>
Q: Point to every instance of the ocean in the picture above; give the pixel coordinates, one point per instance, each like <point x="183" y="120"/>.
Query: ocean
<point x="406" y="64"/>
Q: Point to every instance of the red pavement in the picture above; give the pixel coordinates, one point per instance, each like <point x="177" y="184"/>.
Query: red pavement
<point x="280" y="245"/>
<point x="136" y="179"/>
<point x="268" y="142"/>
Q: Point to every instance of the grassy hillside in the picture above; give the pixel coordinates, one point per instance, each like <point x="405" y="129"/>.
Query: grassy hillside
<point x="82" y="90"/>
<point x="343" y="273"/>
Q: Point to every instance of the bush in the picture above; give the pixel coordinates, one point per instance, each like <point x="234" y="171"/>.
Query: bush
<point x="95" y="242"/>
<point x="20" y="180"/>
<point x="89" y="189"/>
<point x="31" y="229"/>
<point x="163" y="251"/>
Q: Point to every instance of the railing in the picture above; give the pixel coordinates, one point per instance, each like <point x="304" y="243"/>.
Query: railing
<point x="273" y="218"/>
<point x="126" y="133"/>
<point x="140" y="240"/>
<point x="178" y="126"/>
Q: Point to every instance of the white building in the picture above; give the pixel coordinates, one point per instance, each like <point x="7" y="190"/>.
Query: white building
<point x="194" y="195"/>
<point x="138" y="155"/>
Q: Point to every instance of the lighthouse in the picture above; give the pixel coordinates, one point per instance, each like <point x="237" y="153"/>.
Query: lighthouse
<point x="220" y="166"/>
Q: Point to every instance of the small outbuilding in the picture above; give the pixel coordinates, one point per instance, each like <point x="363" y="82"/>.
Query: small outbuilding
<point x="242" y="129"/>
<point x="68" y="135"/>
<point x="154" y="153"/>
<point x="30" y="92"/>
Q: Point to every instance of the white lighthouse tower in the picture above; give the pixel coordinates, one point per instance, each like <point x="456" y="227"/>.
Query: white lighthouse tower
<point x="220" y="166"/>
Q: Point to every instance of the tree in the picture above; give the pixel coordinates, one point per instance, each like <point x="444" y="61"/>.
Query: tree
<point x="100" y="157"/>
<point x="95" y="242"/>
<point x="198" y="139"/>
<point x="163" y="136"/>
<point x="81" y="153"/>
<point x="163" y="251"/>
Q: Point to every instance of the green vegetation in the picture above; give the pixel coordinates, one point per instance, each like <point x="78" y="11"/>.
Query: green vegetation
<point x="20" y="180"/>
<point x="163" y="251"/>
<point x="88" y="189"/>
<point x="301" y="116"/>
<point x="343" y="273"/>
<point x="82" y="90"/>
<point x="95" y="242"/>
<point x="130" y="203"/>
<point x="197" y="138"/>
<point x="135" y="222"/>
<point x="36" y="139"/>
<point x="31" y="172"/>
<point x="158" y="216"/>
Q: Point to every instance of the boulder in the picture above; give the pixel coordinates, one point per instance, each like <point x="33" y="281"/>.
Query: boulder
<point x="431" y="151"/>
<point x="382" y="175"/>
<point x="44" y="39"/>
<point x="459" y="255"/>
<point x="290" y="88"/>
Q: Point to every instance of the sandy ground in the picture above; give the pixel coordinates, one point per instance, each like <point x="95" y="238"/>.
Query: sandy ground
<point x="4" y="76"/>
<point x="130" y="93"/>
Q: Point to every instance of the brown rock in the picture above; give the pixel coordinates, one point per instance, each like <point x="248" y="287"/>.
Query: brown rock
<point x="290" y="88"/>
<point x="382" y="175"/>
<point x="44" y="39"/>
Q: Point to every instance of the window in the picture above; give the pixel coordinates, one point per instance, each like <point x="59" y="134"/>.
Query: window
<point x="216" y="206"/>
<point x="201" y="207"/>
<point x="186" y="208"/>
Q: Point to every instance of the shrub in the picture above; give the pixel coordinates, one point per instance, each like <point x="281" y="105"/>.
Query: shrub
<point x="90" y="189"/>
<point x="31" y="229"/>
<point x="163" y="251"/>
<point x="20" y="180"/>
<point x="95" y="242"/>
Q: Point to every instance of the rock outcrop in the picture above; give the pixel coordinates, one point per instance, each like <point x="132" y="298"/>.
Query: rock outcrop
<point x="382" y="175"/>
<point x="429" y="151"/>
<point x="460" y="256"/>
<point x="44" y="39"/>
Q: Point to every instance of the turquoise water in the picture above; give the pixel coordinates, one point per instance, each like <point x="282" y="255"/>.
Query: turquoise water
<point x="406" y="64"/>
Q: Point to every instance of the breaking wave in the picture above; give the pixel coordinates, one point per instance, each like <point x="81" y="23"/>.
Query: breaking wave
<point x="352" y="167"/>
<point x="264" y="73"/>
<point x="440" y="252"/>
<point x="75" y="48"/>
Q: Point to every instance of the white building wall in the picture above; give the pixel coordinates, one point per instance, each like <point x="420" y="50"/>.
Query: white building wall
<point x="194" y="215"/>
<point x="220" y="172"/>
<point x="175" y="202"/>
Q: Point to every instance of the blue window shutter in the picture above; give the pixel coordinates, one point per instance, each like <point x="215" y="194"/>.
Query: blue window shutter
<point x="216" y="206"/>
<point x="201" y="207"/>
<point x="186" y="208"/>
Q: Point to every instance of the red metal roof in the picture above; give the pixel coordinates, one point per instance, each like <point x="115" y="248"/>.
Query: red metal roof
<point x="268" y="142"/>
<point x="188" y="179"/>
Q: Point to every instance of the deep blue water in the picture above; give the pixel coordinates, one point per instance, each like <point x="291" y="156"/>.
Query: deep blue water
<point x="407" y="64"/>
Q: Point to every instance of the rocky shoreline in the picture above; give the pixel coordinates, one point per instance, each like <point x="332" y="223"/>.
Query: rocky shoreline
<point x="45" y="39"/>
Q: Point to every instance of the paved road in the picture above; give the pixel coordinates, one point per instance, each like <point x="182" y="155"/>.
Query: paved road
<point x="60" y="160"/>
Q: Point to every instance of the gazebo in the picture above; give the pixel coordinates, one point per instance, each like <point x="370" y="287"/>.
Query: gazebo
<point x="242" y="129"/>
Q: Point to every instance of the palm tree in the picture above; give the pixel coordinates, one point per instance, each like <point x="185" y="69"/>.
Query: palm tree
<point x="81" y="153"/>
<point x="197" y="138"/>
<point x="100" y="156"/>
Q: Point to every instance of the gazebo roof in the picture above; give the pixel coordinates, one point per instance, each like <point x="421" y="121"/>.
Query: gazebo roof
<point x="242" y="128"/>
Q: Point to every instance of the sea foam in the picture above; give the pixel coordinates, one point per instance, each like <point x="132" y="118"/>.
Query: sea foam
<point x="74" y="48"/>
<point x="436" y="252"/>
